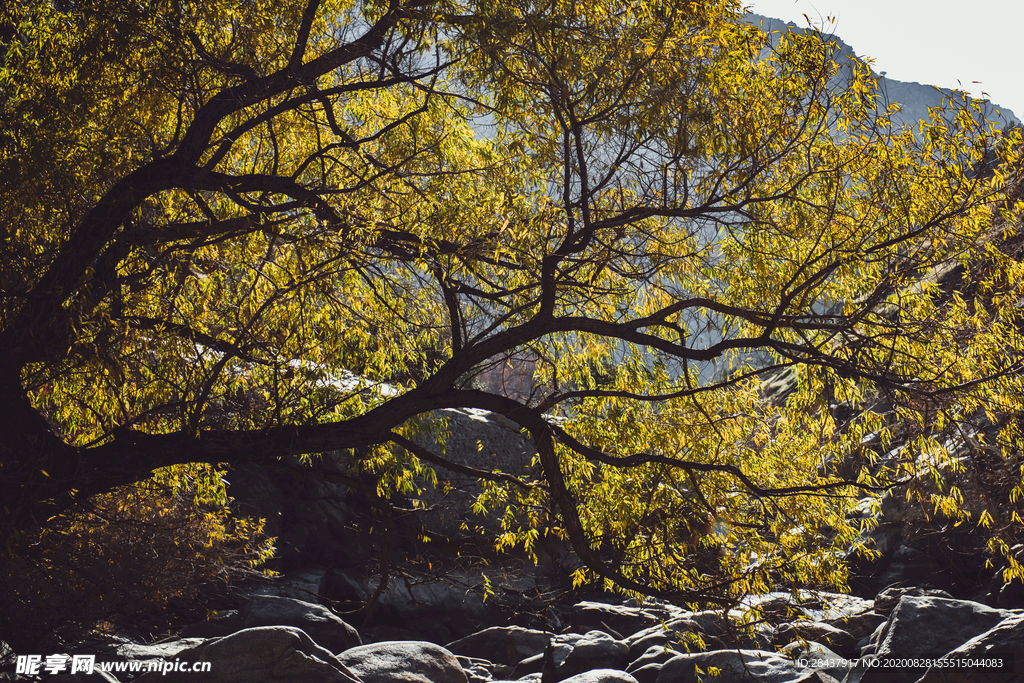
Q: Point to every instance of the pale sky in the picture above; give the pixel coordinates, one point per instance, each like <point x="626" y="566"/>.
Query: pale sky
<point x="974" y="46"/>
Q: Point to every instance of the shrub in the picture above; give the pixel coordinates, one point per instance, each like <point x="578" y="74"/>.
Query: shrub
<point x="136" y="559"/>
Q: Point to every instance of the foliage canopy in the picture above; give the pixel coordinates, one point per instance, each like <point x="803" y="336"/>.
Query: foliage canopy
<point x="238" y="231"/>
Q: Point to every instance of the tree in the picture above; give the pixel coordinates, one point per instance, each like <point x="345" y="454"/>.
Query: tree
<point x="241" y="231"/>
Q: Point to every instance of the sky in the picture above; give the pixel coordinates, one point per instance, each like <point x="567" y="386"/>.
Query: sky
<point x="973" y="46"/>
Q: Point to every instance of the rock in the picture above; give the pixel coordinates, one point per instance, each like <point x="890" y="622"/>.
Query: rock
<point x="160" y="652"/>
<point x="817" y="631"/>
<point x="302" y="584"/>
<point x="815" y="677"/>
<point x="656" y="654"/>
<point x="403" y="662"/>
<point x="1010" y="595"/>
<point x="477" y="670"/>
<point x="529" y="678"/>
<point x="562" y="645"/>
<point x="841" y="623"/>
<point x="554" y="656"/>
<point x="887" y="600"/>
<point x="621" y="620"/>
<point x="318" y="622"/>
<point x="475" y="438"/>
<point x="858" y="627"/>
<point x="670" y="633"/>
<point x="502" y="644"/>
<point x="648" y="673"/>
<point x="602" y="676"/>
<point x="444" y="611"/>
<point x="338" y="587"/>
<point x="269" y="654"/>
<point x="595" y="650"/>
<point x="817" y="657"/>
<point x="720" y="631"/>
<point x="1000" y="643"/>
<point x="735" y="665"/>
<point x="530" y="665"/>
<point x="910" y="566"/>
<point x="927" y="627"/>
<point x="218" y="623"/>
<point x="831" y="607"/>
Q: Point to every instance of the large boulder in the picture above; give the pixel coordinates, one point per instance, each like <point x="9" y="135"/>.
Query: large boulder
<point x="818" y="631"/>
<point x="595" y="650"/>
<point x="404" y="662"/>
<point x="669" y="634"/>
<point x="926" y="628"/>
<point x="818" y="657"/>
<point x="646" y="667"/>
<point x="475" y="438"/>
<point x="218" y="623"/>
<point x="319" y="623"/>
<point x="443" y="611"/>
<point x="735" y="666"/>
<point x="269" y="654"/>
<point x="159" y="652"/>
<point x="502" y="644"/>
<point x="991" y="657"/>
<point x="601" y="676"/>
<point x="619" y="619"/>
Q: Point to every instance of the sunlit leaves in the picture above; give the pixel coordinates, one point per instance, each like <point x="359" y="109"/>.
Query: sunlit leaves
<point x="644" y="204"/>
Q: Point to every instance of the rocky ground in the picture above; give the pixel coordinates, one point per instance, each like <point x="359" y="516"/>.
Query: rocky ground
<point x="907" y="634"/>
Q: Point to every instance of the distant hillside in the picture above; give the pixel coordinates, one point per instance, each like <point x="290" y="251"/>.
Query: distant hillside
<point x="915" y="98"/>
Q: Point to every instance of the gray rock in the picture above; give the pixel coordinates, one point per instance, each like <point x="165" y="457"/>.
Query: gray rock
<point x="502" y="644"/>
<point x="530" y="665"/>
<point x="832" y="607"/>
<point x="319" y="623"/>
<point x="817" y="657"/>
<point x="314" y="520"/>
<point x="403" y="662"/>
<point x="158" y="652"/>
<point x="269" y="654"/>
<point x="529" y="678"/>
<point x="475" y="438"/>
<point x="815" y="677"/>
<point x="858" y="626"/>
<point x="817" y="631"/>
<point x="721" y="631"/>
<point x="910" y="565"/>
<point x="735" y="666"/>
<point x="477" y="670"/>
<point x="886" y="601"/>
<point x="152" y="655"/>
<point x="1005" y="642"/>
<point x="339" y="587"/>
<point x="647" y="674"/>
<point x="602" y="676"/>
<point x="655" y="654"/>
<point x="927" y="627"/>
<point x="218" y="623"/>
<point x="447" y="610"/>
<point x="302" y="584"/>
<point x="562" y="645"/>
<point x="595" y="650"/>
<point x="670" y="633"/>
<point x="624" y="621"/>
